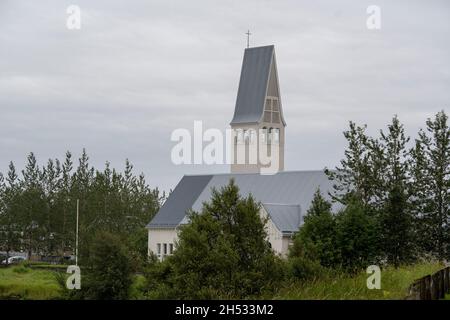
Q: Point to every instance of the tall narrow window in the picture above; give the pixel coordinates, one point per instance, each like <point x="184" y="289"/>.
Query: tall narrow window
<point x="263" y="135"/>
<point x="171" y="248"/>
<point x="272" y="110"/>
<point x="252" y="136"/>
<point x="276" y="135"/>
<point x="246" y="136"/>
<point x="165" y="248"/>
<point x="158" y="249"/>
<point x="240" y="136"/>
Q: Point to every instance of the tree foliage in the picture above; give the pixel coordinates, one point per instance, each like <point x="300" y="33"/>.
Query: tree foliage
<point x="222" y="252"/>
<point x="38" y="208"/>
<point x="316" y="240"/>
<point x="109" y="274"/>
<point x="405" y="190"/>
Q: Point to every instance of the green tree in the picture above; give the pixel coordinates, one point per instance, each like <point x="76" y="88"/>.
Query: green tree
<point x="65" y="206"/>
<point x="223" y="251"/>
<point x="109" y="276"/>
<point x="356" y="236"/>
<point x="316" y="238"/>
<point x="33" y="207"/>
<point x="10" y="223"/>
<point x="432" y="178"/>
<point x="38" y="210"/>
<point x="355" y="176"/>
<point x="396" y="221"/>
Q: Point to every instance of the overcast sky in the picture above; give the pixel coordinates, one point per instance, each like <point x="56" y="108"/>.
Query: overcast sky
<point x="137" y="70"/>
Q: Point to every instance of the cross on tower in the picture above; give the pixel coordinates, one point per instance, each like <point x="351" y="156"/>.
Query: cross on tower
<point x="248" y="38"/>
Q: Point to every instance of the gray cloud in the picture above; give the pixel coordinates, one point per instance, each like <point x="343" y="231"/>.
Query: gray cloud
<point x="139" y="69"/>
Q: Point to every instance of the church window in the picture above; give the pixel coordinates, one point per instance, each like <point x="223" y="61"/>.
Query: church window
<point x="239" y="136"/>
<point x="252" y="136"/>
<point x="165" y="248"/>
<point x="263" y="135"/>
<point x="246" y="136"/>
<point x="171" y="248"/>
<point x="158" y="249"/>
<point x="272" y="110"/>
<point x="270" y="135"/>
<point x="275" y="105"/>
<point x="276" y="135"/>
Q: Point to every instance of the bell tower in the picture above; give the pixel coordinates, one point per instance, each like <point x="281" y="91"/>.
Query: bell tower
<point x="258" y="124"/>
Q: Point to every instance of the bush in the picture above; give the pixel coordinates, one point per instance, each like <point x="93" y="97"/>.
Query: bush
<point x="222" y="253"/>
<point x="304" y="268"/>
<point x="314" y="248"/>
<point x="356" y="237"/>
<point x="20" y="269"/>
<point x="109" y="273"/>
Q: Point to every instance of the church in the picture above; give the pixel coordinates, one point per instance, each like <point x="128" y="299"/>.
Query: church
<point x="259" y="124"/>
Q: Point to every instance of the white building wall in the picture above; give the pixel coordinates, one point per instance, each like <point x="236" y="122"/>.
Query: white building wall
<point x="280" y="244"/>
<point x="161" y="241"/>
<point x="286" y="243"/>
<point x="157" y="238"/>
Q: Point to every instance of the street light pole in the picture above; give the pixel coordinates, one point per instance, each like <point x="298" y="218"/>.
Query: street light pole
<point x="76" y="236"/>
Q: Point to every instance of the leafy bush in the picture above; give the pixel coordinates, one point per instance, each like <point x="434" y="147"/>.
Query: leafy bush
<point x="316" y="239"/>
<point x="222" y="253"/>
<point x="20" y="269"/>
<point x="109" y="271"/>
<point x="356" y="237"/>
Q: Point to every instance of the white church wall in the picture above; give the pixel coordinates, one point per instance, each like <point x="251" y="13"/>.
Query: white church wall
<point x="286" y="243"/>
<point x="275" y="237"/>
<point x="161" y="241"/>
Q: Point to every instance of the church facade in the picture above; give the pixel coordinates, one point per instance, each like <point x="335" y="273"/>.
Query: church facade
<point x="259" y="127"/>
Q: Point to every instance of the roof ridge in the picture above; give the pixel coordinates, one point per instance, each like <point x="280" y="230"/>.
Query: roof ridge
<point x="247" y="173"/>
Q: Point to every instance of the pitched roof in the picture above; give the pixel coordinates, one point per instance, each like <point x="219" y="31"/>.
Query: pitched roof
<point x="288" y="187"/>
<point x="253" y="84"/>
<point x="179" y="201"/>
<point x="286" y="217"/>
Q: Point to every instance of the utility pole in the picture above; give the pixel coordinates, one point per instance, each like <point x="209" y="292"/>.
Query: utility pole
<point x="76" y="236"/>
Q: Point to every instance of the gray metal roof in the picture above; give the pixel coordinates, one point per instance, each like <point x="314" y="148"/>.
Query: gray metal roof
<point x="289" y="187"/>
<point x="253" y="84"/>
<point x="287" y="217"/>
<point x="179" y="201"/>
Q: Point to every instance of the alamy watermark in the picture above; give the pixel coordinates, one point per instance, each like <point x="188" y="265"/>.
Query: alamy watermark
<point x="73" y="21"/>
<point x="252" y="146"/>
<point x="74" y="280"/>
<point x="374" y="280"/>
<point x="373" y="21"/>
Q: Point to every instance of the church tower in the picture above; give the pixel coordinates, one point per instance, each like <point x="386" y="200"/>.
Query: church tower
<point x="258" y="124"/>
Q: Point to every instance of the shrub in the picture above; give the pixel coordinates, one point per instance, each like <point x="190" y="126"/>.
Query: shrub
<point x="109" y="273"/>
<point x="20" y="269"/>
<point x="356" y="237"/>
<point x="222" y="253"/>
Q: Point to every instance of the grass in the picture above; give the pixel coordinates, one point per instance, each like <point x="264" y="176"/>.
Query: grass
<point x="20" y="282"/>
<point x="394" y="285"/>
<point x="38" y="282"/>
